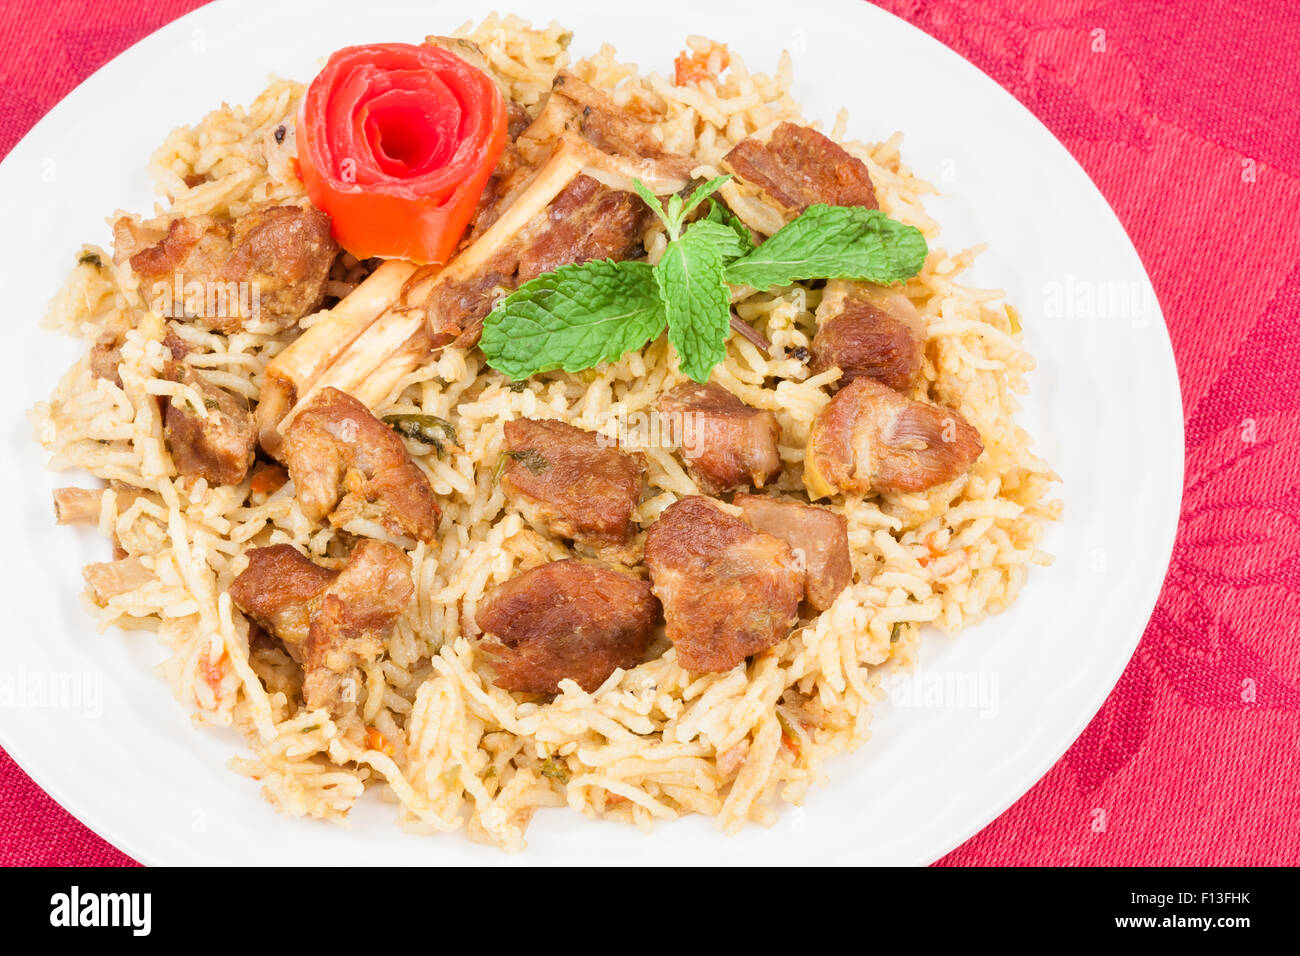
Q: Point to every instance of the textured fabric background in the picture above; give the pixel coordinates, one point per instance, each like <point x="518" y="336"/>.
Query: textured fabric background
<point x="1187" y="116"/>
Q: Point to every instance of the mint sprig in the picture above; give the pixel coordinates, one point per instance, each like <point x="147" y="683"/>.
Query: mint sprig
<point x="582" y="315"/>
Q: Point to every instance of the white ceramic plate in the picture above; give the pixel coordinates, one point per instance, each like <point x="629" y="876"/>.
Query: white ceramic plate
<point x="1104" y="409"/>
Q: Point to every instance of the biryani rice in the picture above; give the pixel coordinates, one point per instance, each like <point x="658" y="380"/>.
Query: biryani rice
<point x="449" y="748"/>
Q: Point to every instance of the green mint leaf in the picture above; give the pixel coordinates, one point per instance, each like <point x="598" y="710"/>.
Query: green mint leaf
<point x="722" y="237"/>
<point x="696" y="300"/>
<point x="674" y="215"/>
<point x="725" y="217"/>
<point x="650" y="199"/>
<point x="574" y="318"/>
<point x="703" y="192"/>
<point x="834" y="242"/>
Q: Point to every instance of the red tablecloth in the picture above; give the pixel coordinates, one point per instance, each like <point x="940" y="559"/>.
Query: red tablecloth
<point x="1187" y="116"/>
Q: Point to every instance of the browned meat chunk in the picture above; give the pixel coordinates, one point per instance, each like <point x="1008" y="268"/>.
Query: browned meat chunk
<point x="330" y="622"/>
<point x="282" y="253"/>
<point x="175" y="345"/>
<point x="588" y="221"/>
<point x="281" y="589"/>
<point x="566" y="619"/>
<point x="585" y="221"/>
<point x="572" y="482"/>
<point x="728" y="591"/>
<point x="868" y="333"/>
<point x="726" y="444"/>
<point x="347" y="464"/>
<point x="820" y="536"/>
<point x="218" y="444"/>
<point x="517" y="119"/>
<point x="576" y="106"/>
<point x="870" y="438"/>
<point x="105" y="356"/>
<point x="799" y="167"/>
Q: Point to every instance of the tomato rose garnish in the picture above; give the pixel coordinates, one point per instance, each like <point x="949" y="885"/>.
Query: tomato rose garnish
<point x="396" y="143"/>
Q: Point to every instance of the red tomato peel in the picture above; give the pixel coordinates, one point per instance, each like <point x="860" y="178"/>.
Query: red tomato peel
<point x="396" y="142"/>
